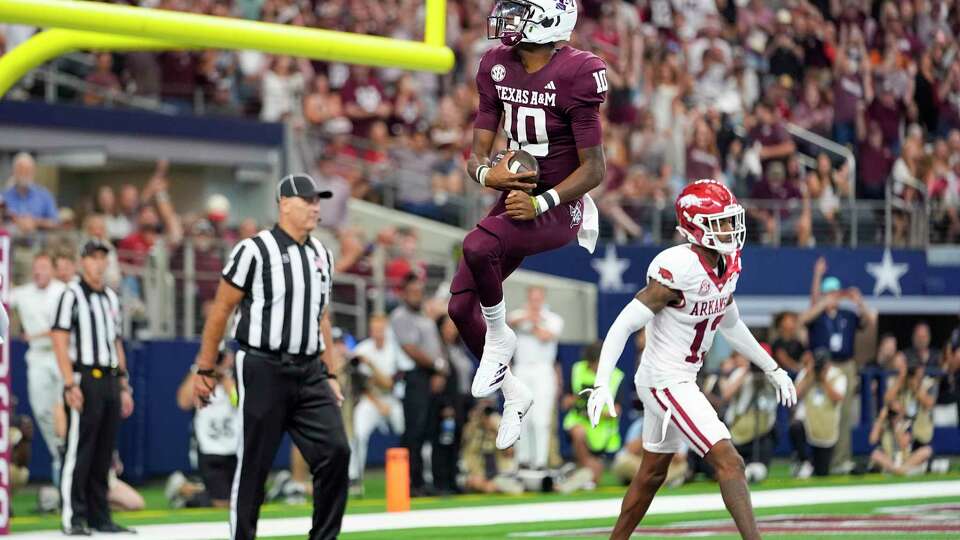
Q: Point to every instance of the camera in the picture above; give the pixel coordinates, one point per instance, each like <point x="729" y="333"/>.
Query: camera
<point x="820" y="358"/>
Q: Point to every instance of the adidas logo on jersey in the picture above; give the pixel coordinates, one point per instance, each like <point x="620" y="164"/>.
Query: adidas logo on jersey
<point x="550" y="86"/>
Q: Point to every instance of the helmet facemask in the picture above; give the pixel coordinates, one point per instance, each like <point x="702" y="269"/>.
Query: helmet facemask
<point x="726" y="242"/>
<point x="714" y="237"/>
<point x="510" y="19"/>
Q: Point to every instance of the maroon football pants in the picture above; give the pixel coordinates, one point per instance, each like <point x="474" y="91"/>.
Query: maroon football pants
<point x="492" y="251"/>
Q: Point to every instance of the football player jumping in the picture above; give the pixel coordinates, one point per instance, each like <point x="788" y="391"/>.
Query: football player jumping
<point x="548" y="97"/>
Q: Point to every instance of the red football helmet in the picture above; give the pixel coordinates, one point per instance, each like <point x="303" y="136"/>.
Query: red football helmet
<point x="702" y="207"/>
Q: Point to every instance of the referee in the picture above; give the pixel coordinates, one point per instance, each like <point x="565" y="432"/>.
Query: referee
<point x="281" y="280"/>
<point x="89" y="351"/>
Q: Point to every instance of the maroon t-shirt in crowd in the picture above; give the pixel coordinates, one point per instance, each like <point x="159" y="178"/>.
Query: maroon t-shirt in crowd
<point x="368" y="95"/>
<point x="847" y="92"/>
<point x="888" y="119"/>
<point x="769" y="135"/>
<point x="784" y="192"/>
<point x="875" y="165"/>
<point x="701" y="164"/>
<point x="550" y="113"/>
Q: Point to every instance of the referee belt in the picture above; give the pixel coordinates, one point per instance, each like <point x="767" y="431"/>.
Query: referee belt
<point x="97" y="372"/>
<point x="283" y="357"/>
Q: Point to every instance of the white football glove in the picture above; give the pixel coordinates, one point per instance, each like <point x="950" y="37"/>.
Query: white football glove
<point x="599" y="396"/>
<point x="786" y="391"/>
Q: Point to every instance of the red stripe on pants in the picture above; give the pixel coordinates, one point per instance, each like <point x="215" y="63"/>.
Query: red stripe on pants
<point x="686" y="418"/>
<point x="693" y="442"/>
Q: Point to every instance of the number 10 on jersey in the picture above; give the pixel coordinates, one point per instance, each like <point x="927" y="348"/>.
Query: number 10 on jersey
<point x="519" y="139"/>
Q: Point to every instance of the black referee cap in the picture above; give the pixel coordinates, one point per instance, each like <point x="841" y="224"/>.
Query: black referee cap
<point x="93" y="246"/>
<point x="301" y="185"/>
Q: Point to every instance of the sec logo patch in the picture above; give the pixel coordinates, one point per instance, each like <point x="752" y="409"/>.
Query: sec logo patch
<point x="498" y="72"/>
<point x="704" y="287"/>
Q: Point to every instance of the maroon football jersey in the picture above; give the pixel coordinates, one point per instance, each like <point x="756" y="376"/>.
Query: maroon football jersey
<point x="550" y="113"/>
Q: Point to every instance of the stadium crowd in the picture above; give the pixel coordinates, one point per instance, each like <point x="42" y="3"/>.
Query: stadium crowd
<point x="702" y="88"/>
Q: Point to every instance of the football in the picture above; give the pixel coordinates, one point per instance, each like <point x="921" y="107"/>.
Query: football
<point x="521" y="161"/>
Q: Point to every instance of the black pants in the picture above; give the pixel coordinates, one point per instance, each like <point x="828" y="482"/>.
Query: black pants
<point x="419" y="414"/>
<point x="91" y="438"/>
<point x="759" y="450"/>
<point x="278" y="396"/>
<point x="820" y="457"/>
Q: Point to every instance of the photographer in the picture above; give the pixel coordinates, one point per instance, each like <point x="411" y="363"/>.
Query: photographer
<point x="916" y="394"/>
<point x="484" y="466"/>
<point x="895" y="451"/>
<point x="821" y="391"/>
<point x="374" y="368"/>
<point x="751" y="414"/>
<point x="216" y="435"/>
<point x="834" y="327"/>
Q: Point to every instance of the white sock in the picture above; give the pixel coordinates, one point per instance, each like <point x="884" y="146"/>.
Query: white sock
<point x="496" y="318"/>
<point x="513" y="388"/>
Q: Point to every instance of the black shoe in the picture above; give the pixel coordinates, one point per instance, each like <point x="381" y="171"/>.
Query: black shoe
<point x="77" y="530"/>
<point x="114" y="528"/>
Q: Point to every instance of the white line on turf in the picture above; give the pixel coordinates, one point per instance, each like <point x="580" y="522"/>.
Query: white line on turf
<point x="553" y="511"/>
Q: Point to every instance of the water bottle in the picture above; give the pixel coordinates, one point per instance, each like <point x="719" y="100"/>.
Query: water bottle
<point x="448" y="429"/>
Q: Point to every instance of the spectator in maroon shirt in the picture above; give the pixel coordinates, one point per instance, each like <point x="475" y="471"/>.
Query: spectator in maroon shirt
<point x="874" y="163"/>
<point x="851" y="84"/>
<point x="104" y="85"/>
<point x="179" y="79"/>
<point x="949" y="94"/>
<point x="794" y="214"/>
<point x="364" y="100"/>
<point x="812" y="112"/>
<point x="408" y="108"/>
<point x="703" y="158"/>
<point x="776" y="145"/>
<point x="887" y="112"/>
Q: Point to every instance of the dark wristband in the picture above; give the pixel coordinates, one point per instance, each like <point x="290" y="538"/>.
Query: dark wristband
<point x="209" y="372"/>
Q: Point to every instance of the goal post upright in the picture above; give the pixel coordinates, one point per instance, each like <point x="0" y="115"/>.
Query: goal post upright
<point x="190" y="30"/>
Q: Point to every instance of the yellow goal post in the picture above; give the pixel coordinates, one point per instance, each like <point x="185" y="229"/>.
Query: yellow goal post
<point x="77" y="25"/>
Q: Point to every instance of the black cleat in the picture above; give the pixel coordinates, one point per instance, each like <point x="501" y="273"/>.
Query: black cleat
<point x="77" y="530"/>
<point x="114" y="528"/>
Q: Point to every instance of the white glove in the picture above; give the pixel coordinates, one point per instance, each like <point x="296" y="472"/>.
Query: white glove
<point x="599" y="396"/>
<point x="786" y="392"/>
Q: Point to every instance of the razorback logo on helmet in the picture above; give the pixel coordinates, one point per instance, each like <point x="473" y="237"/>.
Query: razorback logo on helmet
<point x="709" y="215"/>
<point x="692" y="200"/>
<point x="666" y="274"/>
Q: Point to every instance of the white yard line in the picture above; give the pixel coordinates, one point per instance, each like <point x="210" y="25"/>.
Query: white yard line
<point x="535" y="512"/>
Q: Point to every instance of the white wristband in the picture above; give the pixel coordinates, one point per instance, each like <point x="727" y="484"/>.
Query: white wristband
<point x="547" y="201"/>
<point x="481" y="174"/>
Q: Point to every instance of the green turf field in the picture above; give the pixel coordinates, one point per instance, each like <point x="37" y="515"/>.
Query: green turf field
<point x="157" y="512"/>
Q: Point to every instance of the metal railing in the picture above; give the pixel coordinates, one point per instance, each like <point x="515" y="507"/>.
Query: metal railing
<point x="860" y="222"/>
<point x="835" y="148"/>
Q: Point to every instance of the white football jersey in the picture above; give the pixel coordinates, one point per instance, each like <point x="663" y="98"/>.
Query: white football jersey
<point x="680" y="335"/>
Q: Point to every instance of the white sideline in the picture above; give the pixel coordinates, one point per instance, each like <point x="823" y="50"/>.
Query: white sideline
<point x="531" y="513"/>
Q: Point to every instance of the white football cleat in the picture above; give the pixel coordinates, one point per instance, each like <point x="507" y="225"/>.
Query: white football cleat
<point x="494" y="364"/>
<point x="511" y="423"/>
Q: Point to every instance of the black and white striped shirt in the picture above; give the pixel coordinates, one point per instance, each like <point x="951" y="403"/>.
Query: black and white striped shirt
<point x="93" y="319"/>
<point x="287" y="288"/>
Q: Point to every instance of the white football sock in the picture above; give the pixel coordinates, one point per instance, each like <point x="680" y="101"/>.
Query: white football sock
<point x="496" y="318"/>
<point x="513" y="388"/>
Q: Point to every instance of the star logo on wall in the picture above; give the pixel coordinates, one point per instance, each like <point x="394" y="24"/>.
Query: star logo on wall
<point x="611" y="269"/>
<point x="887" y="274"/>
